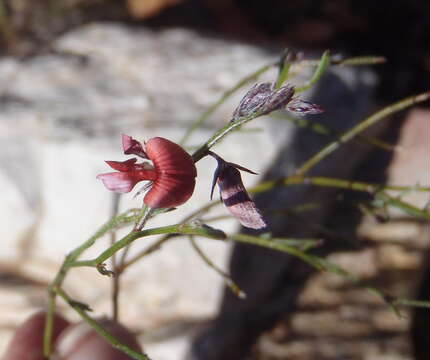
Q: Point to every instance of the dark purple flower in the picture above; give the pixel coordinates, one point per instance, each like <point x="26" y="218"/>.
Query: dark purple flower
<point x="264" y="98"/>
<point x="253" y="100"/>
<point x="234" y="195"/>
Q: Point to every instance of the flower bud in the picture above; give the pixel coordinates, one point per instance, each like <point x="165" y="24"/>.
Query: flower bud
<point x="303" y="107"/>
<point x="263" y="99"/>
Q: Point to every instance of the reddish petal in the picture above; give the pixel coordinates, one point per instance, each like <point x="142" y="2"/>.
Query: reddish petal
<point x="175" y="171"/>
<point x="131" y="146"/>
<point x="170" y="158"/>
<point x="170" y="191"/>
<point x="128" y="165"/>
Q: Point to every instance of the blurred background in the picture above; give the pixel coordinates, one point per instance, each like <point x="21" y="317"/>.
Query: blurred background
<point x="75" y="74"/>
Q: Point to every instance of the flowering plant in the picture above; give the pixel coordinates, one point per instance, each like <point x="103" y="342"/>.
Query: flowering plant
<point x="171" y="175"/>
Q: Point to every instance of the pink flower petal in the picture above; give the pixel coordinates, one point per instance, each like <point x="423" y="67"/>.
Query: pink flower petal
<point x="131" y="146"/>
<point x="120" y="182"/>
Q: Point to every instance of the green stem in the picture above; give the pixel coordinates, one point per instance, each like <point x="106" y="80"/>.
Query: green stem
<point x="322" y="264"/>
<point x="144" y="216"/>
<point x="204" y="149"/>
<point x="223" y="98"/>
<point x="359" y="128"/>
<point x="352" y="61"/>
<point x="116" y="280"/>
<point x="184" y="229"/>
<point x="406" y="207"/>
<point x="362" y="60"/>
<point x="281" y="246"/>
<point x="331" y="182"/>
<point x="322" y="129"/>
<point x="323" y="65"/>
<point x="157" y="245"/>
<point x="59" y="279"/>
<point x="375" y="189"/>
<point x="100" y="329"/>
<point x="227" y="278"/>
<point x="284" y="67"/>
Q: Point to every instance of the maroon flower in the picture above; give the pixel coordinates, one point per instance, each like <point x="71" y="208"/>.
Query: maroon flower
<point x="234" y="195"/>
<point x="172" y="174"/>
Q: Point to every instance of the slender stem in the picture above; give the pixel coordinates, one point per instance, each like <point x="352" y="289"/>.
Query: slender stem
<point x="227" y="278"/>
<point x="114" y="223"/>
<point x="406" y="207"/>
<point x="185" y="229"/>
<point x="100" y="329"/>
<point x="143" y="218"/>
<point x="204" y="149"/>
<point x="157" y="245"/>
<point x="322" y="129"/>
<point x="224" y="97"/>
<point x="280" y="246"/>
<point x="323" y="65"/>
<point x="149" y="250"/>
<point x="359" y="128"/>
<point x="116" y="279"/>
<point x="412" y="303"/>
<point x="362" y="60"/>
<point x="322" y="264"/>
<point x="376" y="189"/>
<point x="351" y="61"/>
<point x="58" y="280"/>
<point x="284" y="67"/>
<point x="331" y="182"/>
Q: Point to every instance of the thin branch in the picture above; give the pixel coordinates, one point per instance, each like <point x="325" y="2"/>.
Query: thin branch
<point x="322" y="129"/>
<point x="157" y="245"/>
<point x="117" y="222"/>
<point x="116" y="280"/>
<point x="227" y="278"/>
<point x="323" y="65"/>
<point x="82" y="311"/>
<point x="359" y="128"/>
<point x="223" y="98"/>
<point x="186" y="229"/>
